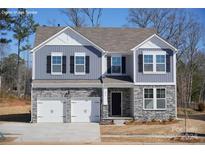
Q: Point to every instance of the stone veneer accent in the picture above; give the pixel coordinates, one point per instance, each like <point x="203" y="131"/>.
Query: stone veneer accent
<point x="126" y="102"/>
<point x="140" y="114"/>
<point x="132" y="101"/>
<point x="64" y="94"/>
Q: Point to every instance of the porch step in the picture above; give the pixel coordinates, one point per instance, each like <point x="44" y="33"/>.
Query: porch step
<point x="119" y="120"/>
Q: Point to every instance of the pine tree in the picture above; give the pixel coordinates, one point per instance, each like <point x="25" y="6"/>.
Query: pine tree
<point x="24" y="26"/>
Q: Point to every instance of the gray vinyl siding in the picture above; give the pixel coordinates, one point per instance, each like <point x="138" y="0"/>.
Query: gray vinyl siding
<point x="168" y="77"/>
<point x="40" y="62"/>
<point x="129" y="65"/>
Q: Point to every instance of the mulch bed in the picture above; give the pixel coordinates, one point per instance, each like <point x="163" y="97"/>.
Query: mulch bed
<point x="154" y="122"/>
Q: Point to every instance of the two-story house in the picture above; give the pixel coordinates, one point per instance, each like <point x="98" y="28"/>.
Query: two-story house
<point x="94" y="74"/>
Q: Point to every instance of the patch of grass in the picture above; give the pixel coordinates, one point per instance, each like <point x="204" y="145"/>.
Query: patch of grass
<point x="189" y="111"/>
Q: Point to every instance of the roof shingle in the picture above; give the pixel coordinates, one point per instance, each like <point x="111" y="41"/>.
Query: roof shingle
<point x="109" y="39"/>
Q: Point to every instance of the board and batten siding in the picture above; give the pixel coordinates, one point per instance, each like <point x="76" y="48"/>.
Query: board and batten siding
<point x="93" y="53"/>
<point x="129" y="65"/>
<point x="168" y="77"/>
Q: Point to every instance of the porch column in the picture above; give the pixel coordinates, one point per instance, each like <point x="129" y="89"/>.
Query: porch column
<point x="105" y="98"/>
<point x="105" y="112"/>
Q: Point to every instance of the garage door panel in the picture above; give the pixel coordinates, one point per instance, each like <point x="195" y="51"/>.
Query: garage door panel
<point x="49" y="111"/>
<point x="85" y="110"/>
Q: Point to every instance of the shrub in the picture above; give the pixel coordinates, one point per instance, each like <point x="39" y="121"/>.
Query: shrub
<point x="153" y="120"/>
<point x="201" y="107"/>
<point x="171" y="119"/>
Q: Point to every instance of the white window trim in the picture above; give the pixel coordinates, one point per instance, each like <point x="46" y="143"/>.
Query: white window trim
<point x="154" y="54"/>
<point x="120" y="56"/>
<point x="56" y="54"/>
<point x="155" y="100"/>
<point x="79" y="54"/>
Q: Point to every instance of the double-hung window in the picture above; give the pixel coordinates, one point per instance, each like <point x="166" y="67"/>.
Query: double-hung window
<point x="80" y="63"/>
<point x="56" y="63"/>
<point x="160" y="63"/>
<point x="154" y="62"/>
<point x="154" y="99"/>
<point x="148" y="63"/>
<point x="116" y="64"/>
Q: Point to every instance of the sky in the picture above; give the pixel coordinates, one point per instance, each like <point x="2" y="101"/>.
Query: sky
<point x="110" y="18"/>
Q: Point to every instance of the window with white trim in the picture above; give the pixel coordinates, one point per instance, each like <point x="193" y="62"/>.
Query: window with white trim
<point x="154" y="99"/>
<point x="154" y="62"/>
<point x="56" y="63"/>
<point x="116" y="65"/>
<point x="148" y="63"/>
<point x="160" y="63"/>
<point x="80" y="63"/>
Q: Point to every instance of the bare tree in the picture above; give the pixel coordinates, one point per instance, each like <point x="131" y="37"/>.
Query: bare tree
<point x="140" y="17"/>
<point x="78" y="16"/>
<point x="93" y="15"/>
<point x="75" y="16"/>
<point x="171" y="24"/>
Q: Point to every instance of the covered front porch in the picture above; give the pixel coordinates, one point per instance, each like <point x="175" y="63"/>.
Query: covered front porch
<point x="117" y="103"/>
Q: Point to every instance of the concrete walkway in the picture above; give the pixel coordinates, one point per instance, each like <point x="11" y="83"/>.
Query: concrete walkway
<point x="57" y="133"/>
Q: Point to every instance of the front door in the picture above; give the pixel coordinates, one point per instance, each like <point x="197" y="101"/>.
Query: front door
<point x="116" y="104"/>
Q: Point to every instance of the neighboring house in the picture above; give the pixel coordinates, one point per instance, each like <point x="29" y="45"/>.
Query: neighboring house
<point x="95" y="74"/>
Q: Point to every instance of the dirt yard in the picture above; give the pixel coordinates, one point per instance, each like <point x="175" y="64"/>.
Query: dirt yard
<point x="196" y="126"/>
<point x="132" y="133"/>
<point x="16" y="110"/>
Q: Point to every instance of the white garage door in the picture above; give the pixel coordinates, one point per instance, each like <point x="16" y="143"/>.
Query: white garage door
<point x="49" y="111"/>
<point x="85" y="110"/>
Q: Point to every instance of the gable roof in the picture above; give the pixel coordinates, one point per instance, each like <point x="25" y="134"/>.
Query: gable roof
<point x="109" y="39"/>
<point x="44" y="33"/>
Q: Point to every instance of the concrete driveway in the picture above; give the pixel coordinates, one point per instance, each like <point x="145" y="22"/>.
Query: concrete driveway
<point x="51" y="133"/>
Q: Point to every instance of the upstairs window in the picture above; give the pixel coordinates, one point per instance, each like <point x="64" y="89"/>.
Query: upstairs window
<point x="56" y="63"/>
<point x="148" y="63"/>
<point x="80" y="63"/>
<point x="154" y="62"/>
<point x="116" y="64"/>
<point x="160" y="63"/>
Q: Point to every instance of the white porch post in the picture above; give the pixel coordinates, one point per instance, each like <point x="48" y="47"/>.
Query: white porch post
<point x="105" y="98"/>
